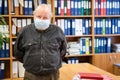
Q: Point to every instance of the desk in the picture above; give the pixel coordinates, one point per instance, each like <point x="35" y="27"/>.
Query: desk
<point x="69" y="70"/>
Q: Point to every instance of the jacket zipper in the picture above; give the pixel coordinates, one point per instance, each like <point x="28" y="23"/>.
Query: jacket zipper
<point x="41" y="58"/>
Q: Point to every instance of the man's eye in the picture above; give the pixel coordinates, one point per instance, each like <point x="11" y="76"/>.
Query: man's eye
<point x="45" y="18"/>
<point x="39" y="16"/>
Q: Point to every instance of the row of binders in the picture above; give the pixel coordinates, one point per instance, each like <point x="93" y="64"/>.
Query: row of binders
<point x="5" y="30"/>
<point x="25" y="7"/>
<point x="72" y="7"/>
<point x="83" y="26"/>
<point x="3" y="6"/>
<point x="74" y="26"/>
<point x="73" y="61"/>
<point x="5" y="50"/>
<point x="2" y="70"/>
<point x="107" y="26"/>
<point x="107" y="7"/>
<point x="63" y="7"/>
<point x="83" y="7"/>
<point x="20" y="7"/>
<point x="84" y="46"/>
<point x="18" y="69"/>
<point x="102" y="45"/>
<point x="19" y="23"/>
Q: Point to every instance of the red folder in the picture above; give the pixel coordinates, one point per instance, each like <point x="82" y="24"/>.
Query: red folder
<point x="91" y="76"/>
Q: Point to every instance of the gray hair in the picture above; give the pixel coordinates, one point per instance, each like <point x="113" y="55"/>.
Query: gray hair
<point x="43" y="6"/>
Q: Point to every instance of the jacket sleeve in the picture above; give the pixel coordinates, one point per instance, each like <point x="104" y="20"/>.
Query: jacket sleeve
<point x="63" y="47"/>
<point x="18" y="49"/>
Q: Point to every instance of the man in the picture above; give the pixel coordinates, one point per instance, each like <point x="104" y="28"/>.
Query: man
<point x="41" y="46"/>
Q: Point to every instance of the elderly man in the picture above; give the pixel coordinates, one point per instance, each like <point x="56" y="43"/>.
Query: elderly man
<point x="41" y="46"/>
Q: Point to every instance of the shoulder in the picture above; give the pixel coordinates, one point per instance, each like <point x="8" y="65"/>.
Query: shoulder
<point x="26" y="28"/>
<point x="58" y="30"/>
<point x="56" y="27"/>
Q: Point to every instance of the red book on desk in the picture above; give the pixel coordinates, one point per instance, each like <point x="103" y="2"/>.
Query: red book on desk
<point x="94" y="76"/>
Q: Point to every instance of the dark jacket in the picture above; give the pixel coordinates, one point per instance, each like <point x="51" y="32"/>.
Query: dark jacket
<point x="40" y="51"/>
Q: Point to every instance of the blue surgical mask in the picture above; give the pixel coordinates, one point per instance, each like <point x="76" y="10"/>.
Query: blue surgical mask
<point x="41" y="24"/>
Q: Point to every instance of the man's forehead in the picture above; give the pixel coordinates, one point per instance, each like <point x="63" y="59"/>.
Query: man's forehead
<point x="42" y="14"/>
<point x="42" y="11"/>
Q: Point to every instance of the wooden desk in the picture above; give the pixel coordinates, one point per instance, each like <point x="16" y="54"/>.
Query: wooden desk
<point x="69" y="70"/>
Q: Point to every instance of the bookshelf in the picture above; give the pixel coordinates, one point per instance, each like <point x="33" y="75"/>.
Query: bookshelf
<point x="103" y="60"/>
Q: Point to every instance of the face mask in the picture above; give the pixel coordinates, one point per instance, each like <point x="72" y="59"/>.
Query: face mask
<point x="41" y="24"/>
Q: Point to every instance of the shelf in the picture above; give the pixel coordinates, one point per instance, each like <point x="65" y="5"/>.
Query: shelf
<point x="4" y="58"/>
<point x="17" y="79"/>
<point x="105" y="53"/>
<point x="14" y="37"/>
<point x="78" y="55"/>
<point x="106" y="35"/>
<point x="106" y="16"/>
<point x="68" y="36"/>
<point x="5" y="15"/>
<point x="7" y="79"/>
<point x="73" y="16"/>
<point x="26" y="16"/>
<point x="71" y="36"/>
